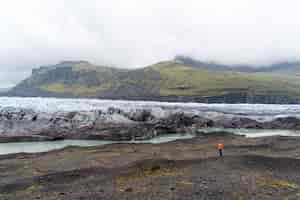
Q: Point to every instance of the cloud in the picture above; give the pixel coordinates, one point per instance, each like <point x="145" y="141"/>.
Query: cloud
<point x="132" y="33"/>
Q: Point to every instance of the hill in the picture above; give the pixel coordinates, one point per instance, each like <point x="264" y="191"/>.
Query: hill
<point x="4" y="89"/>
<point x="287" y="67"/>
<point x="180" y="79"/>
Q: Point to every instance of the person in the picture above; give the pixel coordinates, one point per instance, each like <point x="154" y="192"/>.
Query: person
<point x="220" y="148"/>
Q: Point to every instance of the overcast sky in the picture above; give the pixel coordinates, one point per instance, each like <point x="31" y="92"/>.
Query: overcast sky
<point x="132" y="33"/>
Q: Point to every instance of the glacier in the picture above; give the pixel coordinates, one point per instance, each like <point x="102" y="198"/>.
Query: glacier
<point x="260" y="112"/>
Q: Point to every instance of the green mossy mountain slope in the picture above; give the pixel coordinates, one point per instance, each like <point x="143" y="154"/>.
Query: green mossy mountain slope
<point x="169" y="80"/>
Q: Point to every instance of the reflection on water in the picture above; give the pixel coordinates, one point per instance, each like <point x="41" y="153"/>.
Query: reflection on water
<point x="253" y="132"/>
<point x="35" y="147"/>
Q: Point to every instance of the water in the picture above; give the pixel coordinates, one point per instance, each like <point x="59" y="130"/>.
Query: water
<point x="251" y="133"/>
<point x="37" y="147"/>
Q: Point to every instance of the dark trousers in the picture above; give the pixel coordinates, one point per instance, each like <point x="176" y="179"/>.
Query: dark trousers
<point x="220" y="152"/>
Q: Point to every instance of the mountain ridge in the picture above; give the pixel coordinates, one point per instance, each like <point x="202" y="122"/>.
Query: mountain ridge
<point x="279" y="66"/>
<point x="180" y="79"/>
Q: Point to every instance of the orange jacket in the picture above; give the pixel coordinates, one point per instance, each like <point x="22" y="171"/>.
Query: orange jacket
<point x="220" y="146"/>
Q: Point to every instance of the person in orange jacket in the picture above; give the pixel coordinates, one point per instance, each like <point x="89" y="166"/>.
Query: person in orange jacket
<point x="220" y="148"/>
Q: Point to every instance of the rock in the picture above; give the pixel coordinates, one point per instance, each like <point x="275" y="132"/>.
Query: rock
<point x="140" y="115"/>
<point x="201" y="122"/>
<point x="238" y="122"/>
<point x="284" y="123"/>
<point x="128" y="190"/>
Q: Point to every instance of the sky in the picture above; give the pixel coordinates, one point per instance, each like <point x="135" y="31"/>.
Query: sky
<point x="136" y="33"/>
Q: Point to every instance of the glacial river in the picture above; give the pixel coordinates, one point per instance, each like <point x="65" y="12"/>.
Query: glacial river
<point x="45" y="146"/>
<point x="36" y="147"/>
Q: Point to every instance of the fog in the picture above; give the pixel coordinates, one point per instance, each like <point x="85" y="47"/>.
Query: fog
<point x="135" y="33"/>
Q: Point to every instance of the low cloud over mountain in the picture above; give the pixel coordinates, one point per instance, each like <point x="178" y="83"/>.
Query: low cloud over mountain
<point x="135" y="33"/>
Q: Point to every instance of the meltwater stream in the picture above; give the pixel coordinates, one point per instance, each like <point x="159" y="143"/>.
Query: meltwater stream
<point x="45" y="146"/>
<point x="252" y="133"/>
<point x="37" y="147"/>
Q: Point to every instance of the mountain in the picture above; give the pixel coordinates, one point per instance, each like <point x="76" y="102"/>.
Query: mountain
<point x="82" y="79"/>
<point x="4" y="89"/>
<point x="277" y="67"/>
<point x="181" y="79"/>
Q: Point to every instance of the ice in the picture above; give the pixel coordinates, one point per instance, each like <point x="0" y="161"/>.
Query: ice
<point x="260" y="112"/>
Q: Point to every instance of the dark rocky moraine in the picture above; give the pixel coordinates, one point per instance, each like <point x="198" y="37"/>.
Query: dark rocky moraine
<point x="252" y="168"/>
